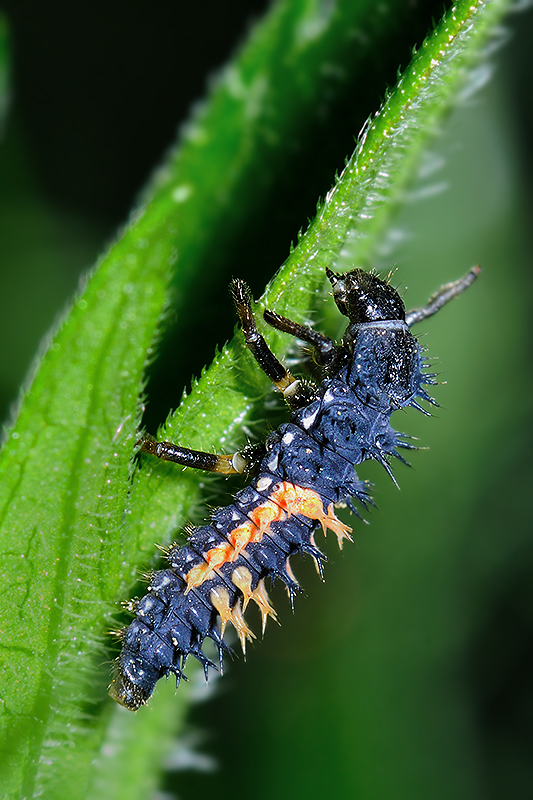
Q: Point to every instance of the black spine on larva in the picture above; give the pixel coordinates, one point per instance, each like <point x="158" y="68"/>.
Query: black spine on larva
<point x="378" y="370"/>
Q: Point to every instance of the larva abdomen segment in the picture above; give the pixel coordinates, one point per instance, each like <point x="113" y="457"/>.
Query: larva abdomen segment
<point x="213" y="579"/>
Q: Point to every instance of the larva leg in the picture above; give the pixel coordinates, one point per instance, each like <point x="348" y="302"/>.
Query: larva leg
<point x="295" y="392"/>
<point x="446" y="293"/>
<point x="244" y="461"/>
<point x="324" y="347"/>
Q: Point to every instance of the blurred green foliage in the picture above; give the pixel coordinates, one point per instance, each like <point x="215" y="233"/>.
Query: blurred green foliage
<point x="406" y="675"/>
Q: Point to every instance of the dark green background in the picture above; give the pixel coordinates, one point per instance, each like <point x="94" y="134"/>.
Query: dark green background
<point x="407" y="675"/>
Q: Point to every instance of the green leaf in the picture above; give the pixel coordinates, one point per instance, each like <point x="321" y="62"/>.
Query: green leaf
<point x="73" y="534"/>
<point x="65" y="473"/>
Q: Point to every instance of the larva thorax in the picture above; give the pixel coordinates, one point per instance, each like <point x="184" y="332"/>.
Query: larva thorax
<point x="383" y="357"/>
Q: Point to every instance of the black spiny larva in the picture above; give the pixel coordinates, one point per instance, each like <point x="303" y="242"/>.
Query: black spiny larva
<point x="303" y="470"/>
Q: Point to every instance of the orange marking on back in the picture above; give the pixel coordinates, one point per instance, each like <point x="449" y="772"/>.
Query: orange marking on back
<point x="241" y="536"/>
<point x="306" y="502"/>
<point x="287" y="498"/>
<point x="297" y="500"/>
<point x="253" y="529"/>
<point x="266" y="513"/>
<point x="198" y="575"/>
<point x="215" y="557"/>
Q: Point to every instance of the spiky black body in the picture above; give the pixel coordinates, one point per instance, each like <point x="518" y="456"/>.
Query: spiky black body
<point x="306" y="470"/>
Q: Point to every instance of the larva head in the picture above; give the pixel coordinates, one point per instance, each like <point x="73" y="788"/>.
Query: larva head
<point x="363" y="297"/>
